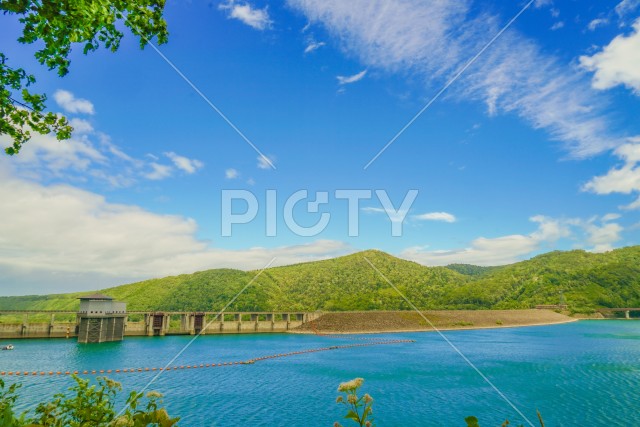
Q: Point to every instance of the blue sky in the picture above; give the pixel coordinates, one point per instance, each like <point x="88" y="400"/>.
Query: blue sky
<point x="534" y="147"/>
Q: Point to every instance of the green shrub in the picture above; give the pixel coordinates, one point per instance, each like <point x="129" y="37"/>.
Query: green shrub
<point x="89" y="406"/>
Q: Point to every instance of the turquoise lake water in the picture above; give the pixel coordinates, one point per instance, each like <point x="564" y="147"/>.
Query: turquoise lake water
<point x="583" y="373"/>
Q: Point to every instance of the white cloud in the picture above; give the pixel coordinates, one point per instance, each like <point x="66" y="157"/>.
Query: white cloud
<point x="80" y="126"/>
<point x="611" y="217"/>
<point x="256" y="18"/>
<point x="371" y="209"/>
<point x="598" y="22"/>
<point x="436" y="216"/>
<point x="623" y="179"/>
<point x="231" y="173"/>
<point x="71" y="104"/>
<point x="483" y="251"/>
<point x="494" y="251"/>
<point x="618" y="180"/>
<point x="632" y="206"/>
<point x="627" y="6"/>
<point x="542" y="3"/>
<point x="266" y="162"/>
<point x="630" y="152"/>
<point x="549" y="229"/>
<point x="64" y="232"/>
<point x="185" y="164"/>
<point x="435" y="39"/>
<point x="313" y="46"/>
<point x="345" y="80"/>
<point x="45" y="155"/>
<point x="618" y="63"/>
<point x="558" y="25"/>
<point x="602" y="237"/>
<point x="393" y="216"/>
<point x="89" y="155"/>
<point x="158" y="171"/>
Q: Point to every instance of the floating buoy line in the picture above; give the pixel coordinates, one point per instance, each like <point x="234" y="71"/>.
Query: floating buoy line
<point x="202" y="365"/>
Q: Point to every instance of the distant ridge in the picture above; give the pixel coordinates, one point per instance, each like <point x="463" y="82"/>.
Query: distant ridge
<point x="584" y="280"/>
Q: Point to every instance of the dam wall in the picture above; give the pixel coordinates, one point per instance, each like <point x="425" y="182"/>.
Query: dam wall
<point x="41" y="324"/>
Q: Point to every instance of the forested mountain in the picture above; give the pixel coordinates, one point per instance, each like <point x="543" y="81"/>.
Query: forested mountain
<point x="584" y="280"/>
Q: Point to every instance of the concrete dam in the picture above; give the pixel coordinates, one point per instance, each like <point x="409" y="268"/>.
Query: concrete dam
<point x="15" y="324"/>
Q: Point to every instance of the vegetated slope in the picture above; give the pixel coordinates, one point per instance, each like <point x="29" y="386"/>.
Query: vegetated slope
<point x="470" y="269"/>
<point x="585" y="280"/>
<point x="582" y="279"/>
<point x="202" y="291"/>
<point x="41" y="302"/>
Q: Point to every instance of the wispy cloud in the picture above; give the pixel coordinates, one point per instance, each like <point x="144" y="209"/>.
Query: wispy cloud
<point x="244" y="12"/>
<point x="598" y="22"/>
<point x="266" y="162"/>
<point x="558" y="25"/>
<point x="626" y="7"/>
<point x="80" y="126"/>
<point x="345" y="80"/>
<point x="371" y="209"/>
<point x="158" y="172"/>
<point x="313" y="45"/>
<point x="185" y="164"/>
<point x="618" y="63"/>
<point x="394" y="216"/>
<point x="436" y="216"/>
<point x="231" y="173"/>
<point x="69" y="103"/>
<point x="513" y="76"/>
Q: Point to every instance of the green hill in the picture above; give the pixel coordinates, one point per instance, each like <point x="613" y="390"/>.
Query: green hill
<point x="585" y="280"/>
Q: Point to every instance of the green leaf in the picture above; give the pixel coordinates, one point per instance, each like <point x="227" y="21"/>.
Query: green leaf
<point x="352" y="415"/>
<point x="472" y="422"/>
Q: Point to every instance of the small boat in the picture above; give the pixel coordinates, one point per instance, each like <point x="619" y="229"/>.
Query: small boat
<point x="8" y="347"/>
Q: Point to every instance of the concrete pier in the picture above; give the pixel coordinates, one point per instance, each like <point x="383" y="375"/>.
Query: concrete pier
<point x="618" y="312"/>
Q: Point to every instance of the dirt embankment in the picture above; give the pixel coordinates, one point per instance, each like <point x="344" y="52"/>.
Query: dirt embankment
<point x="391" y="321"/>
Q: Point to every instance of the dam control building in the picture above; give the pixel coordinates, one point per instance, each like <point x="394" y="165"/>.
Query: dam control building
<point x="101" y="319"/>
